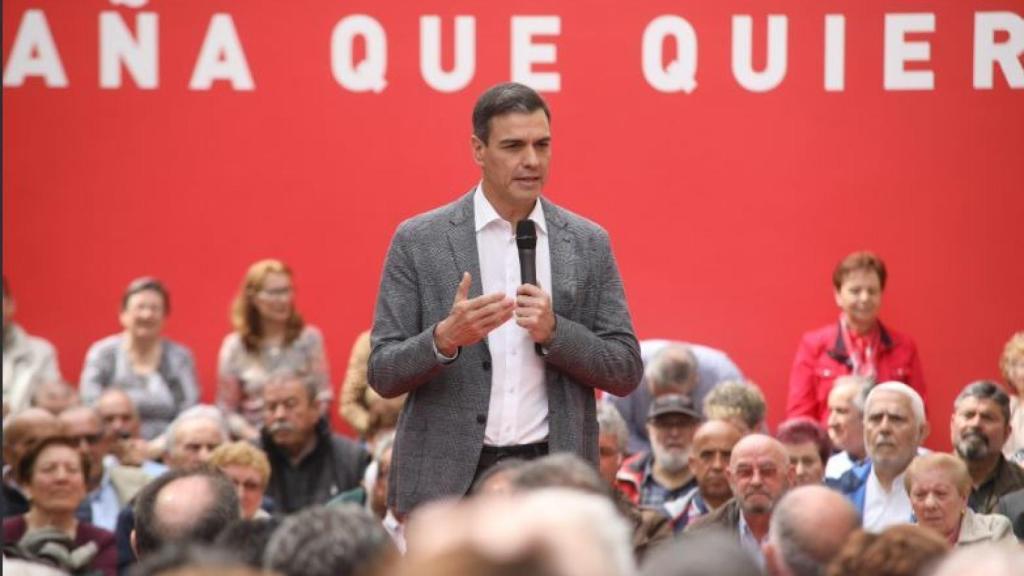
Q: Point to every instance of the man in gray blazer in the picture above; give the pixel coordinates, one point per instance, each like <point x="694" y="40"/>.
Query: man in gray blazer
<point x="482" y="387"/>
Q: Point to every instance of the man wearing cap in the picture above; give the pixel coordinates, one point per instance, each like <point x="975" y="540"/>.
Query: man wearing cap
<point x="654" y="478"/>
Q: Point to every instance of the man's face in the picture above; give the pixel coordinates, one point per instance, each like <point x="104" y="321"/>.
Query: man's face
<point x="759" y="475"/>
<point x="671" y="440"/>
<point x="860" y="296"/>
<point x="26" y="432"/>
<point x="514" y="160"/>
<point x="610" y="457"/>
<point x="978" y="428"/>
<point x="290" y="415"/>
<point x="936" y="501"/>
<point x="118" y="416"/>
<point x="845" y="422"/>
<point x="806" y="462"/>
<point x="193" y="442"/>
<point x="891" y="432"/>
<point x="82" y="426"/>
<point x="712" y="449"/>
<point x="143" y="314"/>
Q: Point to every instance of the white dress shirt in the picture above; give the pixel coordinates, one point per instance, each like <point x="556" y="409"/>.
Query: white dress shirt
<point x="518" y="412"/>
<point x="885" y="508"/>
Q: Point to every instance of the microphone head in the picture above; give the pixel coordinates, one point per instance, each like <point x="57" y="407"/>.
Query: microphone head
<point x="526" y="235"/>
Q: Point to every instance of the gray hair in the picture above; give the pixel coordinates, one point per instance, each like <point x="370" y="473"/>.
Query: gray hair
<point x="916" y="403"/>
<point x="986" y="390"/>
<point x="338" y="541"/>
<point x="801" y="530"/>
<point x="198" y="412"/>
<point x="863" y="387"/>
<point x="309" y="384"/>
<point x="672" y="369"/>
<point x="736" y="398"/>
<point x="507" y="98"/>
<point x="609" y="421"/>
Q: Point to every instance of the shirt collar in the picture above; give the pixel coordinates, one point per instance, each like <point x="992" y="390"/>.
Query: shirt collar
<point x="484" y="213"/>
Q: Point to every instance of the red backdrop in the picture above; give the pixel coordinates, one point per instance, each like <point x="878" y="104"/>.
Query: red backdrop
<point x="727" y="207"/>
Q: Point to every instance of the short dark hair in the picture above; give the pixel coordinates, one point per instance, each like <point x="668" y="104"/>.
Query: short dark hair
<point x="247" y="539"/>
<point x="803" y="429"/>
<point x="507" y="98"/>
<point x="986" y="390"/>
<point x="863" y="260"/>
<point x="146" y="283"/>
<point x="27" y="464"/>
<point x="339" y="541"/>
<point x="151" y="534"/>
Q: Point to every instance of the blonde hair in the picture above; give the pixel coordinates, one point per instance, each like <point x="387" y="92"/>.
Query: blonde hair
<point x="950" y="465"/>
<point x="242" y="454"/>
<point x="1013" y="350"/>
<point x="244" y="315"/>
<point x="736" y="399"/>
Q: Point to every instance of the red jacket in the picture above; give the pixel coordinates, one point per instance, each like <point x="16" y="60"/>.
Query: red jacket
<point x="822" y="357"/>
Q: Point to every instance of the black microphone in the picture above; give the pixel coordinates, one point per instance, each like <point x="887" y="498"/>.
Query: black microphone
<point x="526" y="241"/>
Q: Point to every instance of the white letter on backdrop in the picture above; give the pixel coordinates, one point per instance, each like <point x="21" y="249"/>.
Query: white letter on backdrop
<point x="367" y="75"/>
<point x="34" y="53"/>
<point x="743" y="53"/>
<point x="835" y="52"/>
<point x="430" y="53"/>
<point x="221" y="57"/>
<point x="1007" y="54"/>
<point x="898" y="51"/>
<point x="118" y="45"/>
<point x="525" y="53"/>
<point x="681" y="73"/>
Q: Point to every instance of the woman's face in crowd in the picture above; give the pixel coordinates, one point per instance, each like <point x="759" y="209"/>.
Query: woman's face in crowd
<point x="274" y="299"/>
<point x="1015" y="374"/>
<point x="937" y="502"/>
<point x="143" y="314"/>
<point x="860" y="297"/>
<point x="58" y="481"/>
<point x="249" y="485"/>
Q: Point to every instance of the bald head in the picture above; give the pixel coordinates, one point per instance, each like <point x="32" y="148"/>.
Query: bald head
<point x="118" y="414"/>
<point x="82" y="425"/>
<point x="809" y="526"/>
<point x="759" y="473"/>
<point x="712" y="450"/>
<point x="25" y="429"/>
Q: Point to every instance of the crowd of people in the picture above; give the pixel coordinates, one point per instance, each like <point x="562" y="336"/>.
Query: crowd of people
<point x="586" y="453"/>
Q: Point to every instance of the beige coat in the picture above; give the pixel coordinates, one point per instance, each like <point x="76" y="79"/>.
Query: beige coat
<point x="981" y="528"/>
<point x="28" y="362"/>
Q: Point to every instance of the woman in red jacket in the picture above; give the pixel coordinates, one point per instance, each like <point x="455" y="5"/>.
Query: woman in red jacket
<point x="856" y="344"/>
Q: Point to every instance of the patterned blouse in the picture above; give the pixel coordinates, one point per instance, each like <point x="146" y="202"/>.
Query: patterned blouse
<point x="242" y="375"/>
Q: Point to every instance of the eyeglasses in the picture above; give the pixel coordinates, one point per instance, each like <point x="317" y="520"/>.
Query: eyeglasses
<point x="279" y="293"/>
<point x="90" y="439"/>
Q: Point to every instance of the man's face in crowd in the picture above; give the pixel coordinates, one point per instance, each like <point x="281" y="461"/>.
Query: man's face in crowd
<point x="118" y="415"/>
<point x="290" y="415"/>
<point x="978" y="428"/>
<point x="671" y="440"/>
<point x="515" y="158"/>
<point x="860" y="296"/>
<point x="194" y="441"/>
<point x="712" y="449"/>
<point x="845" y="422"/>
<point x="610" y="457"/>
<point x="891" y="431"/>
<point x="806" y="462"/>
<point x="759" y="473"/>
<point x="26" y="430"/>
<point x="82" y="426"/>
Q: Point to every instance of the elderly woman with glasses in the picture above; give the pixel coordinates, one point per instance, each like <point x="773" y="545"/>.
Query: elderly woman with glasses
<point x="156" y="373"/>
<point x="53" y="474"/>
<point x="270" y="337"/>
<point x="938" y="485"/>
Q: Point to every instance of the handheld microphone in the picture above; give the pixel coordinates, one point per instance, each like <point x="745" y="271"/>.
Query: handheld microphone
<point x="526" y="242"/>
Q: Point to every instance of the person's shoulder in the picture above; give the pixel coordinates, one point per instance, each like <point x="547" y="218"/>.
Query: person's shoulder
<point x="559" y="215"/>
<point x="106" y="345"/>
<point x="898" y="337"/>
<point x="310" y="333"/>
<point x="177" y="349"/>
<point x="92" y="533"/>
<point x="426" y="223"/>
<point x="822" y="336"/>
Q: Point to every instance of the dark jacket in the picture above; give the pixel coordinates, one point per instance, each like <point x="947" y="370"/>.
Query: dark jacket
<point x="335" y="465"/>
<point x="1007" y="477"/>
<point x="725" y="518"/>
<point x="1012" y="506"/>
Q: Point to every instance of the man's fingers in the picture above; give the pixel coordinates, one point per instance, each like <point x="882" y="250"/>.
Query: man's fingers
<point x="462" y="292"/>
<point x="486" y="300"/>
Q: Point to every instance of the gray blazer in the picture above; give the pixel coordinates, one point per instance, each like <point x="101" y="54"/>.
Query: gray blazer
<point x="441" y="428"/>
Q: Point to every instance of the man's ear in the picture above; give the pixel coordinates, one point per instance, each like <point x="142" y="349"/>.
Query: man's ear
<point x="478" y="149"/>
<point x="135" y="547"/>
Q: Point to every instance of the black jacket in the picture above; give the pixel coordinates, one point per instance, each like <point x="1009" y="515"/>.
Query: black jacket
<point x="335" y="465"/>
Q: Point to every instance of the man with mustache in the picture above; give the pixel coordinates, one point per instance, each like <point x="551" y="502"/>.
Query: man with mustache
<point x="979" y="427"/>
<point x="308" y="463"/>
<point x="759" y="473"/>
<point x="655" y="478"/>
<point x="894" y="428"/>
